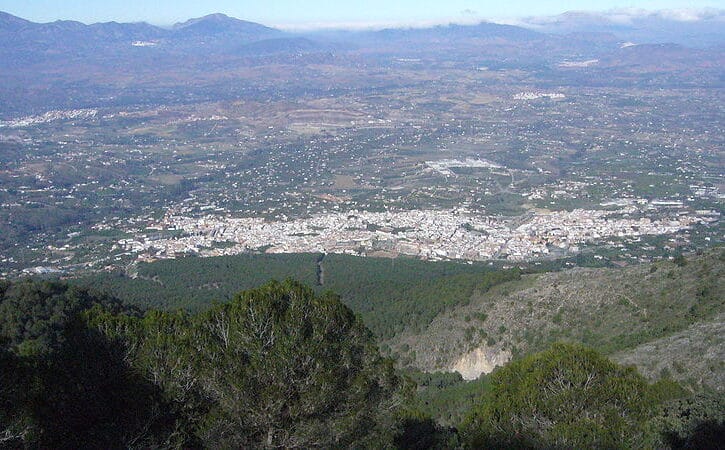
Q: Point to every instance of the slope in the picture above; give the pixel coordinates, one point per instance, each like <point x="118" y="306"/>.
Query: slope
<point x="612" y="310"/>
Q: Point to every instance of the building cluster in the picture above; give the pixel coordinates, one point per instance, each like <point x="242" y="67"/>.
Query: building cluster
<point x="444" y="166"/>
<point x="49" y="116"/>
<point x="426" y="234"/>
<point x="529" y="95"/>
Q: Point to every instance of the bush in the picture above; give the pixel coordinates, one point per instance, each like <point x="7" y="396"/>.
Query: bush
<point x="566" y="397"/>
<point x="696" y="422"/>
<point x="680" y="260"/>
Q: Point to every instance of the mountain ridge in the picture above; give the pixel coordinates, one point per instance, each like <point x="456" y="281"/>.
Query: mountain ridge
<point x="18" y="32"/>
<point x="692" y="28"/>
<point x="220" y="24"/>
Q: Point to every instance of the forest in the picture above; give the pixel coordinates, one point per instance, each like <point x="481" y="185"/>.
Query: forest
<point x="389" y="294"/>
<point x="282" y="366"/>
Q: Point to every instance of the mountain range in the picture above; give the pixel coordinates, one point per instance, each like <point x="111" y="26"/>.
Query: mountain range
<point x="68" y="64"/>
<point x="221" y="33"/>
<point x="17" y="34"/>
<point x="692" y="28"/>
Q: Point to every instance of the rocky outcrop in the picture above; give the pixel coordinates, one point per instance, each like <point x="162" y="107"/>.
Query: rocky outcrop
<point x="479" y="361"/>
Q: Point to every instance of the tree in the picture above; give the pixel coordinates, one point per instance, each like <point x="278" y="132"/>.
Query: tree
<point x="694" y="422"/>
<point x="63" y="385"/>
<point x="566" y="397"/>
<point x="278" y="366"/>
<point x="14" y="423"/>
<point x="34" y="314"/>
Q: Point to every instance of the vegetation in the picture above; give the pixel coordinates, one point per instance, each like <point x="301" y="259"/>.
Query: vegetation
<point x="276" y="367"/>
<point x="280" y="366"/>
<point x="565" y="397"/>
<point x="425" y="304"/>
<point x="394" y="294"/>
<point x="621" y="312"/>
<point x="34" y="315"/>
<point x="193" y="283"/>
<point x="389" y="294"/>
<point x="446" y="396"/>
<point x="63" y="384"/>
<point x="695" y="422"/>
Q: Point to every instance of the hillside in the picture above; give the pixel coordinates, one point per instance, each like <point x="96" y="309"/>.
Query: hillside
<point x="194" y="283"/>
<point x="390" y="295"/>
<point x="668" y="308"/>
<point x="695" y="355"/>
<point x="282" y="367"/>
<point x="448" y="316"/>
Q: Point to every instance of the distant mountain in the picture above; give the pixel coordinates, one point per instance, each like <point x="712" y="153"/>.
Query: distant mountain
<point x="220" y="24"/>
<point x="126" y="31"/>
<point x="661" y="58"/>
<point x="22" y="39"/>
<point x="458" y="33"/>
<point x="8" y="22"/>
<point x="695" y="28"/>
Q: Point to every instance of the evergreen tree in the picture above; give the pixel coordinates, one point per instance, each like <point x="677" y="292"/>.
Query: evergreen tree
<point x="566" y="397"/>
<point x="278" y="366"/>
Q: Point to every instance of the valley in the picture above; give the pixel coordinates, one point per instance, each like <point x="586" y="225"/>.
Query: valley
<point x="483" y="119"/>
<point x="223" y="234"/>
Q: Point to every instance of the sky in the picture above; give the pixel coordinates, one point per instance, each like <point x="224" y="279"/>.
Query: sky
<point x="323" y="13"/>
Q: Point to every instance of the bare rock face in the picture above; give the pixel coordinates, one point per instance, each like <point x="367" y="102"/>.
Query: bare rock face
<point x="480" y="360"/>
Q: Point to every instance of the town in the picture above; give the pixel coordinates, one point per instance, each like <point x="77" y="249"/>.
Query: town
<point x="427" y="234"/>
<point x="536" y="168"/>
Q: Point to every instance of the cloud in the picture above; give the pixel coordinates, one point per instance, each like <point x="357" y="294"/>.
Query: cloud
<point x="692" y="15"/>
<point x="621" y="16"/>
<point x="627" y="16"/>
<point x="679" y="15"/>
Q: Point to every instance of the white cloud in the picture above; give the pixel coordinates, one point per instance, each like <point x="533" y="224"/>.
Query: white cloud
<point x="620" y="16"/>
<point x="693" y="15"/>
<point x="377" y="25"/>
<point x="623" y="16"/>
<point x="679" y="15"/>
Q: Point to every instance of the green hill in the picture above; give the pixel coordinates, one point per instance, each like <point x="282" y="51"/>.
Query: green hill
<point x="617" y="311"/>
<point x="439" y="316"/>
<point x="280" y="366"/>
<point x="391" y="295"/>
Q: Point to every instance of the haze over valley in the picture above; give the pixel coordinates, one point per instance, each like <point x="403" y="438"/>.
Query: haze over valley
<point x="458" y="207"/>
<point x="218" y="119"/>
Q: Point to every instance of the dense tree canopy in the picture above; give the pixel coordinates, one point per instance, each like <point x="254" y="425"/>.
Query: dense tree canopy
<point x="276" y="366"/>
<point x="282" y="367"/>
<point x="65" y="385"/>
<point x="34" y="315"/>
<point x="566" y="397"/>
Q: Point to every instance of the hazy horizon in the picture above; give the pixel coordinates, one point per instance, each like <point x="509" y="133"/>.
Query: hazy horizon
<point x="330" y="15"/>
